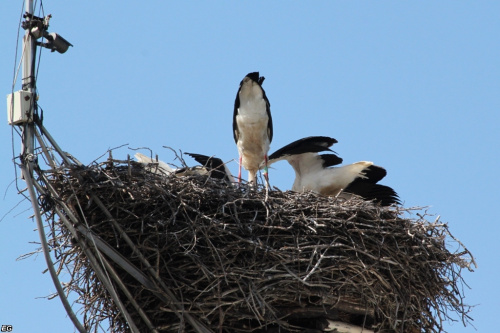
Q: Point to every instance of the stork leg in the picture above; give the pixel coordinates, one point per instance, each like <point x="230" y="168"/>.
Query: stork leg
<point x="266" y="171"/>
<point x="239" y="173"/>
<point x="266" y="176"/>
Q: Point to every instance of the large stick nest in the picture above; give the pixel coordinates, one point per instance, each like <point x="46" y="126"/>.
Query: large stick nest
<point x="237" y="261"/>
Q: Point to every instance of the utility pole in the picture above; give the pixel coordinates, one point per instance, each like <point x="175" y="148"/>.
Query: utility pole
<point x="29" y="85"/>
<point x="21" y="106"/>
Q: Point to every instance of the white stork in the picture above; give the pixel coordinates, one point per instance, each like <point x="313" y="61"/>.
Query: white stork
<point x="212" y="167"/>
<point x="215" y="167"/>
<point x="156" y="166"/>
<point x="316" y="173"/>
<point x="252" y="126"/>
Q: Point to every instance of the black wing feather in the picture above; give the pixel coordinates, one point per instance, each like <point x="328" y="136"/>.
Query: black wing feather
<point x="370" y="190"/>
<point x="382" y="194"/>
<point x="374" y="174"/>
<point x="270" y="119"/>
<point x="330" y="160"/>
<point x="311" y="144"/>
<point x="235" y="113"/>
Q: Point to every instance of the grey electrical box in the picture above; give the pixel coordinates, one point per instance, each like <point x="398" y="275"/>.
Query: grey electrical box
<point x="19" y="105"/>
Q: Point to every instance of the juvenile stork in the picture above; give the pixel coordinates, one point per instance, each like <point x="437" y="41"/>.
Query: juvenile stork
<point x="314" y="172"/>
<point x="252" y="126"/>
<point x="215" y="167"/>
<point x="211" y="166"/>
<point x="156" y="166"/>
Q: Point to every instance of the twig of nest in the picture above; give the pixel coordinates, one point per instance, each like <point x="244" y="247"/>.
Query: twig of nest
<point x="195" y="255"/>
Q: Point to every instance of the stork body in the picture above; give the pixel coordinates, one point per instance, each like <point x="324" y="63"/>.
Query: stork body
<point x="314" y="172"/>
<point x="252" y="126"/>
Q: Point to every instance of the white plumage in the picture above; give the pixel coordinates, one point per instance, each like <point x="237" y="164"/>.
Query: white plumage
<point x="341" y="327"/>
<point x="156" y="166"/>
<point x="311" y="175"/>
<point x="252" y="125"/>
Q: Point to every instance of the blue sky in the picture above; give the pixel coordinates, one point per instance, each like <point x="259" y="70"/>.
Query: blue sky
<point x="412" y="86"/>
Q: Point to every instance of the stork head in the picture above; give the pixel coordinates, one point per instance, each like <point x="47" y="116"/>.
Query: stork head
<point x="254" y="76"/>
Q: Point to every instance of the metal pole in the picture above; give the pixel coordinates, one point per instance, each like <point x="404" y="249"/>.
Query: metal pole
<point x="28" y="84"/>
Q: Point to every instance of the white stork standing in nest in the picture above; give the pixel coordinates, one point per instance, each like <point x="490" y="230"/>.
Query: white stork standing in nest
<point x="252" y="126"/>
<point x="316" y="173"/>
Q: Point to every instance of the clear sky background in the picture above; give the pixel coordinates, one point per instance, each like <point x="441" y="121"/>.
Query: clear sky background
<point x="413" y="86"/>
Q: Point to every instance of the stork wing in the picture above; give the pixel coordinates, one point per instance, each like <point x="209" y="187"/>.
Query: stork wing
<point x="312" y="144"/>
<point x="385" y="195"/>
<point x="373" y="174"/>
<point x="370" y="190"/>
<point x="268" y="110"/>
<point x="235" y="113"/>
<point x="330" y="160"/>
<point x="270" y="119"/>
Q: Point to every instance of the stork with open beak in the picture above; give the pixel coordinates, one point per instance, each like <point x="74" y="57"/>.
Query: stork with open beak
<point x="314" y="172"/>
<point x="252" y="126"/>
